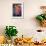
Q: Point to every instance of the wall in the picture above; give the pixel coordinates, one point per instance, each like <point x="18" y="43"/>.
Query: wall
<point x="26" y="26"/>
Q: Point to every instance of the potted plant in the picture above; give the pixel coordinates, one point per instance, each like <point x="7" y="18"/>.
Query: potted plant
<point x="42" y="17"/>
<point x="10" y="31"/>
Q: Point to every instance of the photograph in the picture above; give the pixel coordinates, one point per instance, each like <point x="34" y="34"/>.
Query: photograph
<point x="17" y="11"/>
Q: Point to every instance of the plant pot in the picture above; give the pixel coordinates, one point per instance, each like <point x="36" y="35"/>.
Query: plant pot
<point x="43" y="23"/>
<point x="13" y="38"/>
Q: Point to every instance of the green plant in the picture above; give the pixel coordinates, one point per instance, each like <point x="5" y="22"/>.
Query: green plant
<point x="41" y="17"/>
<point x="11" y="31"/>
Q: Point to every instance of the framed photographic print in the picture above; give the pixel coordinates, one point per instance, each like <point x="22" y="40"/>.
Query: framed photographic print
<point x="18" y="10"/>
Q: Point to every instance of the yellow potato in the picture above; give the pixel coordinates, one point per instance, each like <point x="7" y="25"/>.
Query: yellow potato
<point x="44" y="40"/>
<point x="2" y="39"/>
<point x="24" y="40"/>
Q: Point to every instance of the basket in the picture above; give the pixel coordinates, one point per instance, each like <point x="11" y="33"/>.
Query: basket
<point x="43" y="23"/>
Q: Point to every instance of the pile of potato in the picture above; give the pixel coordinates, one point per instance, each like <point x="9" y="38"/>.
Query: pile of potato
<point x="23" y="40"/>
<point x="2" y="40"/>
